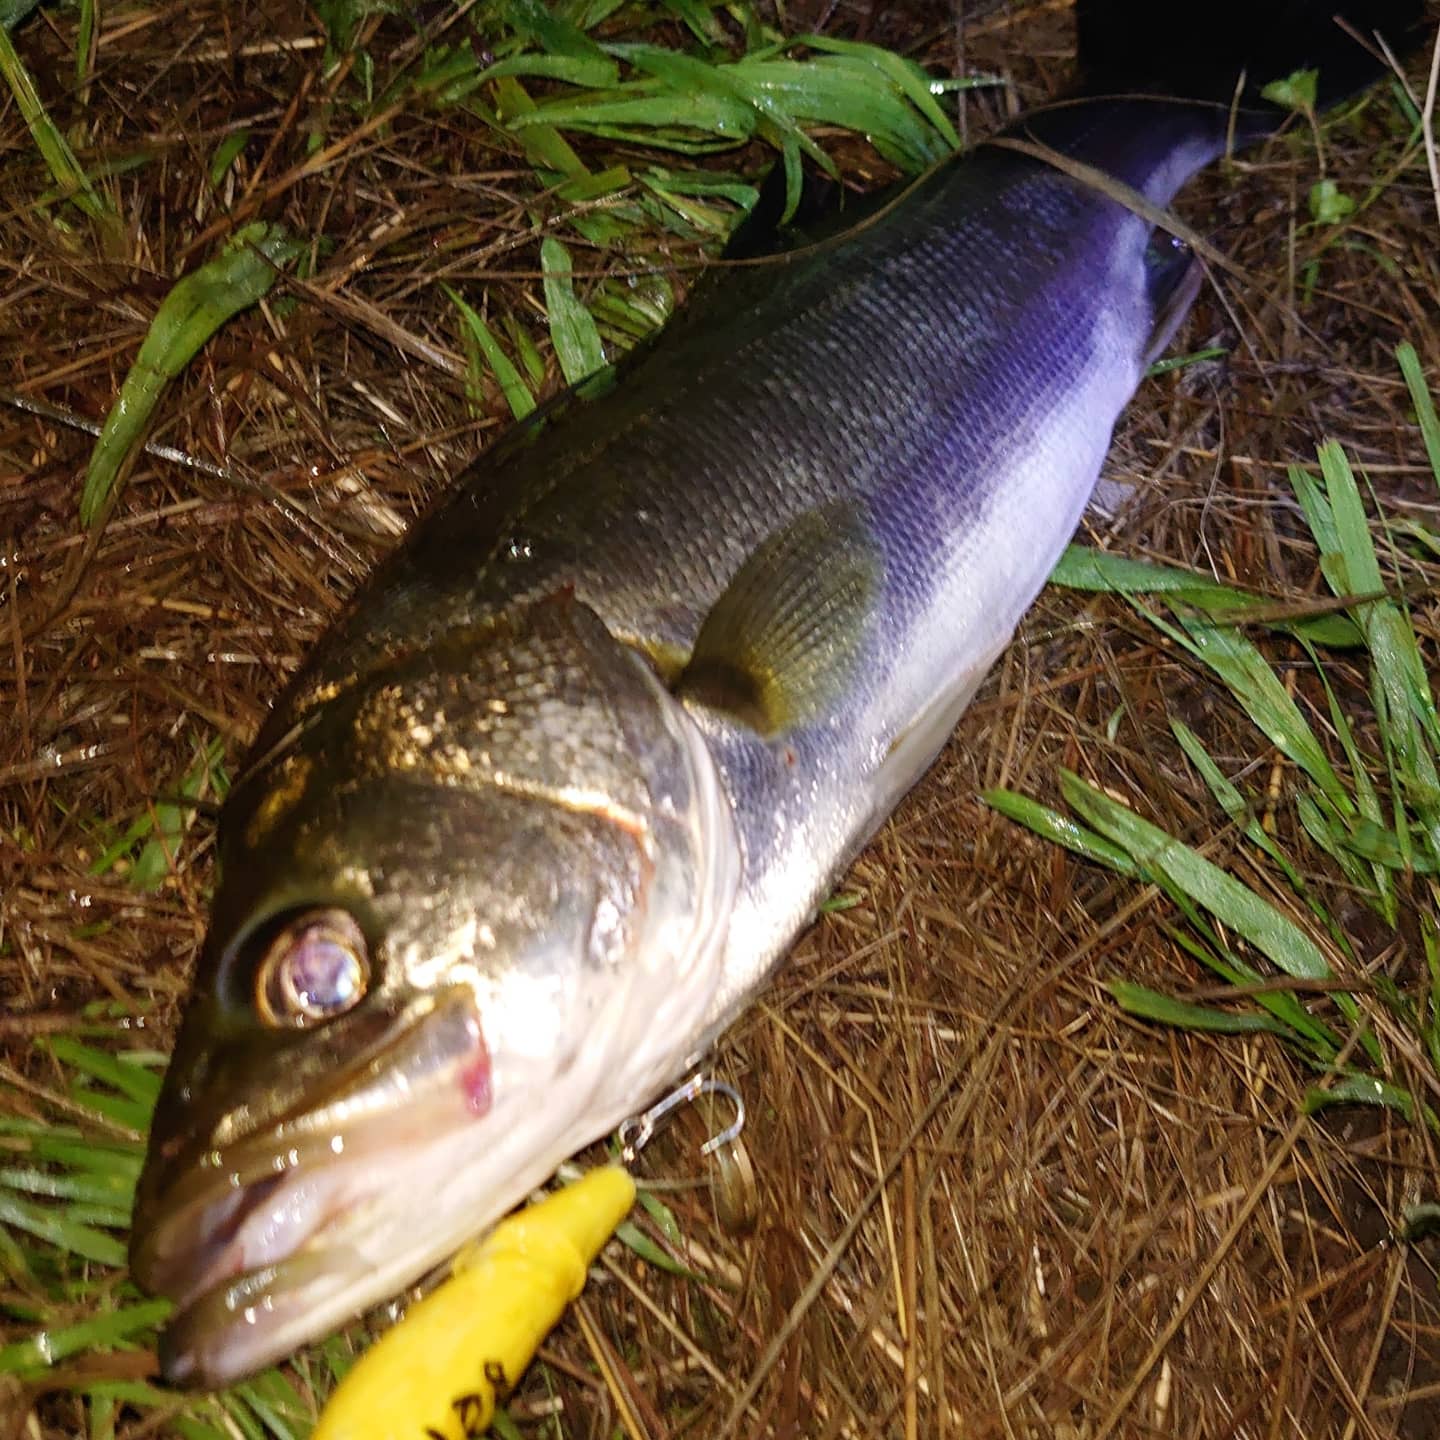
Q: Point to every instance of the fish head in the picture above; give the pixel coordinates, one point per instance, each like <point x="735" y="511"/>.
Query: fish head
<point x="471" y="914"/>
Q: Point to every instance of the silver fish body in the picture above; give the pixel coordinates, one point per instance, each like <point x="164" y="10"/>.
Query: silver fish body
<point x="549" y="804"/>
<point x="929" y="400"/>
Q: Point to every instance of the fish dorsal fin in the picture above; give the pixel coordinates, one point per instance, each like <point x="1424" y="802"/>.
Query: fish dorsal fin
<point x="767" y="230"/>
<point x="825" y="210"/>
<point x="783" y="640"/>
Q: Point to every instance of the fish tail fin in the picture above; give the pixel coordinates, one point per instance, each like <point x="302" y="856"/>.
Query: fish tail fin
<point x="1201" y="51"/>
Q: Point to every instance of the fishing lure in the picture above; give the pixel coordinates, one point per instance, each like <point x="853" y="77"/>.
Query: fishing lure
<point x="438" y="1373"/>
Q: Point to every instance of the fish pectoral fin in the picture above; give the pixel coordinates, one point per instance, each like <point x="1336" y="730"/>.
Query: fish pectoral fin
<point x="783" y="641"/>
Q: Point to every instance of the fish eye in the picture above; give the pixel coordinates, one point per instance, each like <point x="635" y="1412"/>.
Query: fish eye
<point x="316" y="967"/>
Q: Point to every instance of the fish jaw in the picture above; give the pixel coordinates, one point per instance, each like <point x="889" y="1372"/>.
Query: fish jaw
<point x="268" y="1234"/>
<point x="342" y="1231"/>
<point x="543" y="963"/>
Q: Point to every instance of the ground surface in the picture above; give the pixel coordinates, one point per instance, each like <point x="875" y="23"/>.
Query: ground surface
<point x="1100" y="1228"/>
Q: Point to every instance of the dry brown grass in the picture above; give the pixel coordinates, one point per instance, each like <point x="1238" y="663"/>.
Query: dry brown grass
<point x="991" y="1206"/>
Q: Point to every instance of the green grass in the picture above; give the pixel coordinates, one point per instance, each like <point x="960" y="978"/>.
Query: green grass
<point x="66" y="1188"/>
<point x="73" y="183"/>
<point x="199" y="304"/>
<point x="1368" y="798"/>
<point x="625" y="90"/>
<point x="551" y="82"/>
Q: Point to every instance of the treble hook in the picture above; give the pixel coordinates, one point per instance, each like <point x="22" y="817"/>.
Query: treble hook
<point x="636" y="1133"/>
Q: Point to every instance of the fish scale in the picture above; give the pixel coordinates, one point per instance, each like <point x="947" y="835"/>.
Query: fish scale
<point x="770" y="416"/>
<point x="583" y="758"/>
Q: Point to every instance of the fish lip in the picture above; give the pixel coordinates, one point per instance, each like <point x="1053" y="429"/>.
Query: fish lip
<point x="203" y="1343"/>
<point x="276" y="1196"/>
<point x="200" y="1246"/>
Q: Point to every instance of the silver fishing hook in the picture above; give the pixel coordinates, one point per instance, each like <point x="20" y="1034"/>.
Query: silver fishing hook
<point x="636" y="1133"/>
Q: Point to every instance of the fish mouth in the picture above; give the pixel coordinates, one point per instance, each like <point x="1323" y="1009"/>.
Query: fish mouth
<point x="264" y="1238"/>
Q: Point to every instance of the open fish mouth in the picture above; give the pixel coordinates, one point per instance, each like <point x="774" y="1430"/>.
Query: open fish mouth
<point x="328" y="1244"/>
<point x="207" y="1340"/>
<point x="304" y="1219"/>
<point x="257" y="1211"/>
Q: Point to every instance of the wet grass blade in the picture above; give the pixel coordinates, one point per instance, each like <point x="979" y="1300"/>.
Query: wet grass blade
<point x="1084" y="568"/>
<point x="1182" y="362"/>
<point x="1424" y="405"/>
<point x="226" y="153"/>
<point x="745" y="85"/>
<point x="1146" y="1004"/>
<point x="1316" y="1039"/>
<point x="59" y="158"/>
<point x="907" y="78"/>
<point x="1249" y="677"/>
<point x="12" y="12"/>
<point x="103" y="1157"/>
<point x="196" y="307"/>
<point x="512" y="386"/>
<point x="1367" y="800"/>
<point x="54" y="1226"/>
<point x="544" y="146"/>
<point x="1366" y="1090"/>
<point x="690" y="105"/>
<point x="110" y="1189"/>
<point x="551" y="30"/>
<point x="46" y="1347"/>
<point x="698" y="19"/>
<point x="277" y="1405"/>
<point x="1232" y="802"/>
<point x="1405" y="706"/>
<point x="1429" y="1015"/>
<point x="188" y="1427"/>
<point x="1061" y="829"/>
<point x="661" y="1215"/>
<point x="1391" y="639"/>
<point x="1236" y="906"/>
<point x="128" y="1077"/>
<point x="638" y="1242"/>
<point x="85" y="41"/>
<point x="169" y="820"/>
<point x="572" y="327"/>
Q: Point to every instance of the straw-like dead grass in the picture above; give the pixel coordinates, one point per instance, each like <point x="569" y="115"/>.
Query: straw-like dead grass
<point x="990" y="1204"/>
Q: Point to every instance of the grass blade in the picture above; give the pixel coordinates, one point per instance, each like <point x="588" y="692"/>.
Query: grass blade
<point x="1424" y="405"/>
<point x="54" y="1226"/>
<point x="1061" y="829"/>
<point x="1233" y="803"/>
<point x="512" y="386"/>
<point x="99" y="1190"/>
<point x="1247" y="674"/>
<point x="905" y="76"/>
<point x="572" y="327"/>
<point x="1147" y="1004"/>
<point x="104" y="1329"/>
<point x="190" y="314"/>
<point x="545" y="148"/>
<point x="67" y="171"/>
<point x="124" y="1075"/>
<point x="1365" y="1090"/>
<point x="1235" y="905"/>
<point x="637" y="1241"/>
<point x="1083" y="568"/>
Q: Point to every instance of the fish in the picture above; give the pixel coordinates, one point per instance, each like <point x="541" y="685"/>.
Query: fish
<point x="549" y="803"/>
